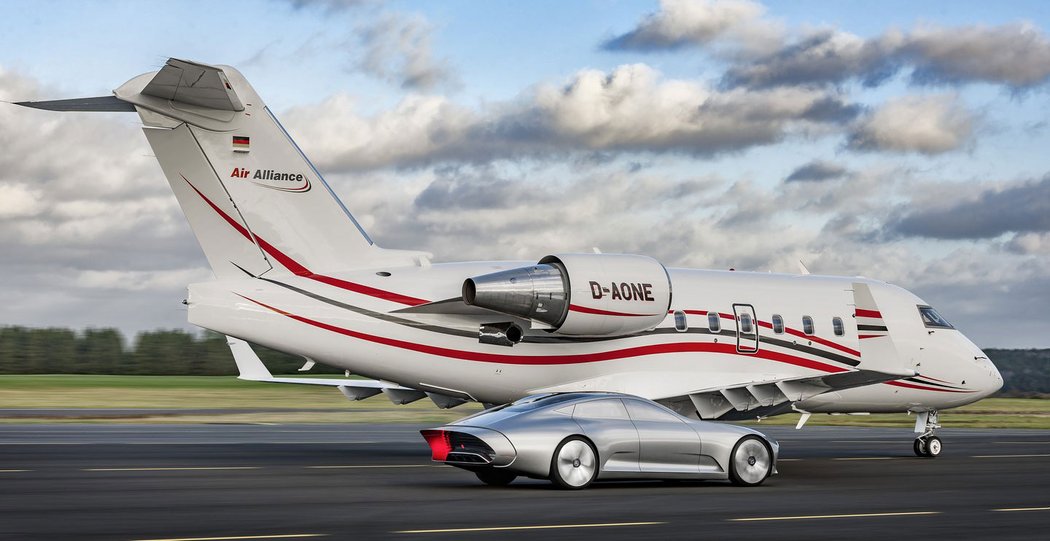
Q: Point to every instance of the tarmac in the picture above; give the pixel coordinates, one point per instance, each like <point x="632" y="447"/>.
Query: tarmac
<point x="366" y="481"/>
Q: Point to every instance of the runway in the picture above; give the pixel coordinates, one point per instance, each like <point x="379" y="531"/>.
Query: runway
<point x="124" y="482"/>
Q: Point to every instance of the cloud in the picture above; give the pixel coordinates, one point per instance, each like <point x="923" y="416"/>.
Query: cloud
<point x="330" y="5"/>
<point x="686" y="23"/>
<point x="1023" y="207"/>
<point x="85" y="213"/>
<point x="1013" y="55"/>
<point x="632" y="108"/>
<point x="931" y="124"/>
<point x="817" y="171"/>
<point x="820" y="58"/>
<point x="397" y="48"/>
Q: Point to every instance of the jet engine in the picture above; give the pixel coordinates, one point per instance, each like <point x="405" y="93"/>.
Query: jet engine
<point x="579" y="294"/>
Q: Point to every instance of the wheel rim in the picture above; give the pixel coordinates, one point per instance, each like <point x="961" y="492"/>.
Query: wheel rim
<point x="934" y="446"/>
<point x="576" y="463"/>
<point x="751" y="461"/>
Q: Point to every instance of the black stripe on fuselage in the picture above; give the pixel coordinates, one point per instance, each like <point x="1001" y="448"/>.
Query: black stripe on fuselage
<point x="872" y="328"/>
<point x="787" y="344"/>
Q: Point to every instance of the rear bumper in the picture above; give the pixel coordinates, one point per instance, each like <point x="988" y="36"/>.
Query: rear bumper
<point x="469" y="447"/>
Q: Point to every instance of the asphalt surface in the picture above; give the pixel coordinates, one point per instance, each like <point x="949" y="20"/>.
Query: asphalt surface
<point x="125" y="482"/>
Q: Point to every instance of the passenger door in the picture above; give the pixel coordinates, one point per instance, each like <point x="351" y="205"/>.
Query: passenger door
<point x="607" y="424"/>
<point x="667" y="443"/>
<point x="746" y="328"/>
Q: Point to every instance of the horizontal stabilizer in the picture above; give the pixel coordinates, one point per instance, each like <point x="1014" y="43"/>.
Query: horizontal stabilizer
<point x="101" y="104"/>
<point x="194" y="84"/>
<point x="251" y="368"/>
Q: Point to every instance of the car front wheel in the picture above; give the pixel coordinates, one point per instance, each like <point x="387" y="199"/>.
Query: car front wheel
<point x="751" y="462"/>
<point x="575" y="464"/>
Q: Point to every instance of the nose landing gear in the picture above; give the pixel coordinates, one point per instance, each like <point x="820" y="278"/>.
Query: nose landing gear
<point x="927" y="444"/>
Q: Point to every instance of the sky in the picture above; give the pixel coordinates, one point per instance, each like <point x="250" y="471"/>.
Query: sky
<point x="904" y="141"/>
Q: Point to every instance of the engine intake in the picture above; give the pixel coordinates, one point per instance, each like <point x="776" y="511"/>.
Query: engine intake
<point x="579" y="294"/>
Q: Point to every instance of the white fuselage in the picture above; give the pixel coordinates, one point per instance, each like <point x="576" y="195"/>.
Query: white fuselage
<point x="353" y="321"/>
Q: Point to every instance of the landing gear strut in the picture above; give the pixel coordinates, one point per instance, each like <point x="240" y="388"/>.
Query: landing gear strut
<point x="927" y="444"/>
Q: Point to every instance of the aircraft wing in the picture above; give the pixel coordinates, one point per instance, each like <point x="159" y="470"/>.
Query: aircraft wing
<point x="768" y="397"/>
<point x="251" y="368"/>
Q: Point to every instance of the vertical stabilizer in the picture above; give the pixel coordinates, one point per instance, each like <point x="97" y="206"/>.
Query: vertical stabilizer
<point x="252" y="197"/>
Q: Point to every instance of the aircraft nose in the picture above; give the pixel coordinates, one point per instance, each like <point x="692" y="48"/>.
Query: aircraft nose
<point x="994" y="380"/>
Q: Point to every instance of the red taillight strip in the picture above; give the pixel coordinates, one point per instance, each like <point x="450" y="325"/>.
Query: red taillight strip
<point x="439" y="442"/>
<point x="653" y="349"/>
<point x="296" y="268"/>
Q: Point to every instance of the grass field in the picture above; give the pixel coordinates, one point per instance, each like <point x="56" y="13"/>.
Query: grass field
<point x="240" y="401"/>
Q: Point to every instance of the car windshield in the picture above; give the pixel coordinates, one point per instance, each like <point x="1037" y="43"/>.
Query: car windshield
<point x="534" y="402"/>
<point x="931" y="318"/>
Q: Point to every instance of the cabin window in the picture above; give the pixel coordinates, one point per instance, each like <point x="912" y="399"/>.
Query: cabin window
<point x="836" y="324"/>
<point x="807" y="325"/>
<point x="714" y="324"/>
<point x="681" y="324"/>
<point x="931" y="318"/>
<point x="746" y="325"/>
<point x="778" y="324"/>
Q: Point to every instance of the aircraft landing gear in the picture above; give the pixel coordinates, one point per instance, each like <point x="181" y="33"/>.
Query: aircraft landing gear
<point x="927" y="444"/>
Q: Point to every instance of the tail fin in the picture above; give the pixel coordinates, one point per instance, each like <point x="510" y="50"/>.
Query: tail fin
<point x="253" y="199"/>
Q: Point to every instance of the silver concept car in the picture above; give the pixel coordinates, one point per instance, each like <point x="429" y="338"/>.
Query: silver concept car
<point x="575" y="438"/>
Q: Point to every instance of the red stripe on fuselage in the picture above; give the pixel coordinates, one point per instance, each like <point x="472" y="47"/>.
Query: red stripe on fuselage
<point x="869" y="313"/>
<point x="296" y="268"/>
<point x="653" y="349"/>
<point x="924" y="388"/>
<point x="598" y="312"/>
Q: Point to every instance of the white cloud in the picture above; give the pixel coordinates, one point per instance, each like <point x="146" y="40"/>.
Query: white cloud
<point x="927" y="124"/>
<point x="630" y="108"/>
<point x="19" y="201"/>
<point x="681" y="23"/>
<point x="397" y="47"/>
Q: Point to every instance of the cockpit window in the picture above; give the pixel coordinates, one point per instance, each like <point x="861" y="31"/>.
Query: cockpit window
<point x="931" y="318"/>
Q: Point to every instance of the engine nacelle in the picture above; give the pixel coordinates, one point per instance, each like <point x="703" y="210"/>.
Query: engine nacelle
<point x="579" y="294"/>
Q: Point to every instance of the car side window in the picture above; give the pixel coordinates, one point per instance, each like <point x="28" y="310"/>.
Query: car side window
<point x="611" y="408"/>
<point x="713" y="323"/>
<point x="643" y="411"/>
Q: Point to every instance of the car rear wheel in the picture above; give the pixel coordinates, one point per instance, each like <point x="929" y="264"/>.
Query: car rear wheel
<point x="575" y="464"/>
<point x="495" y="477"/>
<point x="750" y="462"/>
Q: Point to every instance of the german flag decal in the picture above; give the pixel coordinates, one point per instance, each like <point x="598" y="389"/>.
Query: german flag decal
<point x="240" y="143"/>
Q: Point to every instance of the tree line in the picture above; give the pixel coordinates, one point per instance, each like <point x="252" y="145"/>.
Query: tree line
<point x="105" y="351"/>
<point x="176" y="352"/>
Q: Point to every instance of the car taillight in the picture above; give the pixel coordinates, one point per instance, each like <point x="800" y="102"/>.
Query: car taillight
<point x="439" y="443"/>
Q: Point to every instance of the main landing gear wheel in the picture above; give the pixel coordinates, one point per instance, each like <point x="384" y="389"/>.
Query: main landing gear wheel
<point x="495" y="478"/>
<point x="750" y="462"/>
<point x="575" y="464"/>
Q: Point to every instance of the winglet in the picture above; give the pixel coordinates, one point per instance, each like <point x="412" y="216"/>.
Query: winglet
<point x="249" y="364"/>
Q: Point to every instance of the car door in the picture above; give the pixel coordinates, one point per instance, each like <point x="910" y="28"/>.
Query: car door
<point x="667" y="443"/>
<point x="606" y="423"/>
